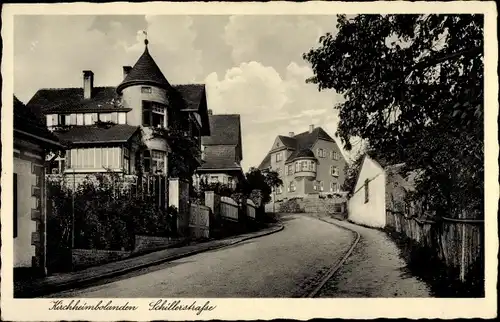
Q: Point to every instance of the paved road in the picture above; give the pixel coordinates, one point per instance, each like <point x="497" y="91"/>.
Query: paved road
<point x="285" y="264"/>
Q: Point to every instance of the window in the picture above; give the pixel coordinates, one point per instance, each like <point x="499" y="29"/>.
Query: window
<point x="290" y="169"/>
<point x="321" y="186"/>
<point x="158" y="161"/>
<point x="297" y="166"/>
<point x="95" y="158"/>
<point x="15" y="206"/>
<point x="72" y="119"/>
<point x="304" y="166"/>
<point x="114" y="117"/>
<point x="334" y="171"/>
<point x="279" y="190"/>
<point x="291" y="186"/>
<point x="334" y="187"/>
<point x="153" y="114"/>
<point x="335" y="155"/>
<point x="278" y="157"/>
<point x="64" y="119"/>
<point x="313" y="166"/>
<point x="315" y="186"/>
<point x="122" y="118"/>
<point x="367" y="192"/>
<point x="88" y="120"/>
<point x="79" y="119"/>
<point x="146" y="90"/>
<point x="147" y="161"/>
<point x="104" y="117"/>
<point x="126" y="160"/>
<point x="52" y="120"/>
<point x="321" y="153"/>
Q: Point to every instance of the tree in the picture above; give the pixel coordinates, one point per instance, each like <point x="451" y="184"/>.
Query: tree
<point x="263" y="181"/>
<point x="351" y="173"/>
<point x="413" y="88"/>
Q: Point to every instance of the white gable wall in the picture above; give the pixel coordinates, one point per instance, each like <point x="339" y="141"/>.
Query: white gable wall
<point x="371" y="213"/>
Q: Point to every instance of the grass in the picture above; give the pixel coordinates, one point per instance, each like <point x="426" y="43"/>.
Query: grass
<point x="423" y="263"/>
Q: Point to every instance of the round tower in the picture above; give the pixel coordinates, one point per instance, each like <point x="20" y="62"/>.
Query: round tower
<point x="145" y="90"/>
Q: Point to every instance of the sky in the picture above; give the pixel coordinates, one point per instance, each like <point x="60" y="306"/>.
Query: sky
<point x="251" y="65"/>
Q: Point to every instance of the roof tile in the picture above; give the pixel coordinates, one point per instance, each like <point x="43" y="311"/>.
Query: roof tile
<point x="119" y="133"/>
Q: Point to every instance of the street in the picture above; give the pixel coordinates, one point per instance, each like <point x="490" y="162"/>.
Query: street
<point x="289" y="263"/>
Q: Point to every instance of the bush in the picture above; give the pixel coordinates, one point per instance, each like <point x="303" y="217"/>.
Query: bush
<point x="290" y="206"/>
<point x="107" y="215"/>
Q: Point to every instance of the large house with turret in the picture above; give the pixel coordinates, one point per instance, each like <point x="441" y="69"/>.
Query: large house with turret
<point x="309" y="163"/>
<point x="141" y="126"/>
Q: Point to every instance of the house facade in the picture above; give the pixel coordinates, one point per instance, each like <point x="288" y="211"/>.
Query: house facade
<point x="222" y="151"/>
<point x="142" y="126"/>
<point x="309" y="163"/>
<point x="32" y="141"/>
<point x="379" y="188"/>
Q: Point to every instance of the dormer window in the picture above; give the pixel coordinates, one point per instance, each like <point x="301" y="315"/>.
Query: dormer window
<point x="146" y="90"/>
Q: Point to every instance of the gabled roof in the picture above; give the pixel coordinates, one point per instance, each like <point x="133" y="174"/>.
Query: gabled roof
<point x="145" y="71"/>
<point x="220" y="157"/>
<point x="27" y="122"/>
<point x="70" y="100"/>
<point x="224" y="130"/>
<point x="104" y="99"/>
<point x="96" y="134"/>
<point x="301" y="141"/>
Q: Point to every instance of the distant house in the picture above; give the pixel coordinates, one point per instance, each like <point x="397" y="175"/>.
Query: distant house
<point x="222" y="151"/>
<point x="32" y="140"/>
<point x="310" y="164"/>
<point x="378" y="188"/>
<point x="127" y="128"/>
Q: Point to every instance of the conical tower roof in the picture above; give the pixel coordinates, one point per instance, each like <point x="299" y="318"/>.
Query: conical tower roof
<point x="144" y="72"/>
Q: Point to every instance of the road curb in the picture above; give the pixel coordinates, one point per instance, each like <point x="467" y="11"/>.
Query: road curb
<point x="335" y="268"/>
<point x="84" y="281"/>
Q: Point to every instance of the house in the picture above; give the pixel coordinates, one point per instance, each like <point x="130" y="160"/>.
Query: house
<point x="143" y="126"/>
<point x="379" y="187"/>
<point x="222" y="151"/>
<point x="309" y="163"/>
<point x="32" y="140"/>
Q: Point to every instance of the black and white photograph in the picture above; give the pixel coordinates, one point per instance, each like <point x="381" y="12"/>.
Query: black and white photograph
<point x="159" y="156"/>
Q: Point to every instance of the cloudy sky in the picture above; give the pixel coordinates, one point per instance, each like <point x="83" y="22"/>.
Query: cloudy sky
<point x="251" y="65"/>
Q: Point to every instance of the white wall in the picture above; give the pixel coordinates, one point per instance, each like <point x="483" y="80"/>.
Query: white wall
<point x="23" y="250"/>
<point x="372" y="213"/>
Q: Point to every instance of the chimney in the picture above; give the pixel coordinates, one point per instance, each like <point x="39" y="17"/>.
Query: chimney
<point x="126" y="70"/>
<point x="210" y="112"/>
<point x="311" y="128"/>
<point x="88" y="83"/>
<point x="290" y="134"/>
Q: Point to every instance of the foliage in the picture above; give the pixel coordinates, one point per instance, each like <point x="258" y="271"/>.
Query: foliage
<point x="290" y="206"/>
<point x="413" y="87"/>
<point x="351" y="174"/>
<point x="263" y="181"/>
<point x="107" y="214"/>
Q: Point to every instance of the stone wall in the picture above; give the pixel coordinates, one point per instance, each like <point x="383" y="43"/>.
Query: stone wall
<point x="83" y="258"/>
<point x="152" y="243"/>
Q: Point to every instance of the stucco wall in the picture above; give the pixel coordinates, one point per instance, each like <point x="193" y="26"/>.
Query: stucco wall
<point x="132" y="98"/>
<point x="371" y="213"/>
<point x="23" y="250"/>
<point x="323" y="172"/>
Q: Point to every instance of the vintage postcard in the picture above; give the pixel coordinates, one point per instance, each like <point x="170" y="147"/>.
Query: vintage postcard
<point x="245" y="161"/>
